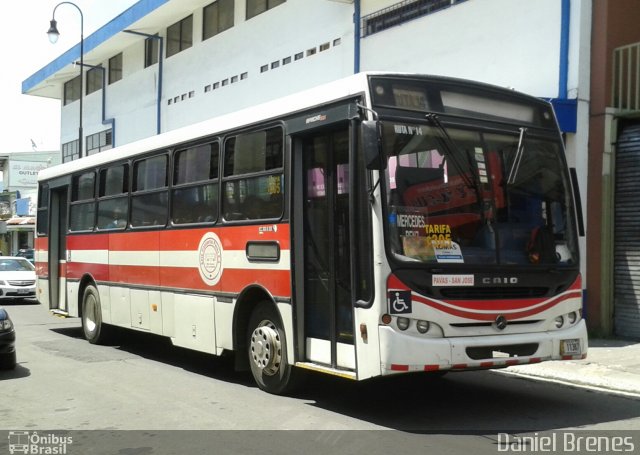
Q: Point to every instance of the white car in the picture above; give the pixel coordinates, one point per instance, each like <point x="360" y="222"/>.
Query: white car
<point x="17" y="278"/>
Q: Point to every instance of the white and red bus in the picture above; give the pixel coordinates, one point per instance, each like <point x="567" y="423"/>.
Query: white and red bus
<point x="379" y="224"/>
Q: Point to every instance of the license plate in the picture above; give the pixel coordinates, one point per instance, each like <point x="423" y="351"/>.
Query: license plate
<point x="23" y="291"/>
<point x="570" y="347"/>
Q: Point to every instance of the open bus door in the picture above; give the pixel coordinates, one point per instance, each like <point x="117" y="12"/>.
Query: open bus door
<point x="323" y="283"/>
<point x="332" y="239"/>
<point x="57" y="258"/>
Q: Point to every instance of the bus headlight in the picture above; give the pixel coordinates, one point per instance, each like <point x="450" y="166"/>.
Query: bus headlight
<point x="572" y="317"/>
<point x="559" y="321"/>
<point x="422" y="326"/>
<point x="403" y="323"/>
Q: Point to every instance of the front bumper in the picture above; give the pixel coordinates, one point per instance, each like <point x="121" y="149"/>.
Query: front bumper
<point x="7" y="342"/>
<point x="8" y="291"/>
<point x="402" y="352"/>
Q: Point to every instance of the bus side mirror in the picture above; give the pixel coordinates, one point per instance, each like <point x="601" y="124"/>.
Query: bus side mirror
<point x="372" y="144"/>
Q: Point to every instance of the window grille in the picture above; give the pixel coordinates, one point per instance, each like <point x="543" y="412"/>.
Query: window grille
<point x="400" y="13"/>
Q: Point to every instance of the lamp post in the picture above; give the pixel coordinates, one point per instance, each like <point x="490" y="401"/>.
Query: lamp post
<point x="53" y="37"/>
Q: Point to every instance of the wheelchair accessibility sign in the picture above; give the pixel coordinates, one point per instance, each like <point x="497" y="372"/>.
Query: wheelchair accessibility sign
<point x="399" y="301"/>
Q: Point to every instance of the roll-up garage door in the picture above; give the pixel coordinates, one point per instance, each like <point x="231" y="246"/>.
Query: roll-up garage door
<point x="627" y="232"/>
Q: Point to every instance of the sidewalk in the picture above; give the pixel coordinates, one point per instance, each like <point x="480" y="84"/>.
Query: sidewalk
<point x="611" y="365"/>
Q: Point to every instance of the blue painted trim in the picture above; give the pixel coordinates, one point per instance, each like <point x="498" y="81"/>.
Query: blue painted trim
<point x="105" y="121"/>
<point x="356" y="33"/>
<point x="567" y="113"/>
<point x="104" y="33"/>
<point x="565" y="24"/>
<point x="160" y="72"/>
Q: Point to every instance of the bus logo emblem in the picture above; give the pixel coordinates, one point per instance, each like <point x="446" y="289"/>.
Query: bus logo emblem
<point x="210" y="258"/>
<point x="501" y="322"/>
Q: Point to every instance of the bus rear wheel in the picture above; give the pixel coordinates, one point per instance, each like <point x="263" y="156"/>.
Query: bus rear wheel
<point x="267" y="350"/>
<point x="92" y="326"/>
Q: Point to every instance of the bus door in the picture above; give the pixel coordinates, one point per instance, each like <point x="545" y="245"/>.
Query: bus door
<point x="323" y="292"/>
<point x="57" y="259"/>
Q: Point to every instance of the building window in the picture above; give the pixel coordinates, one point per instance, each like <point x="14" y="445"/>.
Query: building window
<point x="217" y="17"/>
<point x="151" y="51"/>
<point x="180" y="36"/>
<point x="401" y="12"/>
<point x="255" y="7"/>
<point x="72" y="90"/>
<point x="99" y="142"/>
<point x="94" y="79"/>
<point x="115" y="68"/>
<point x="70" y="151"/>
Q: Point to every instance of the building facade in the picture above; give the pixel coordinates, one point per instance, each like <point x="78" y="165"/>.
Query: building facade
<point x="613" y="267"/>
<point x="164" y="64"/>
<point x="18" y="197"/>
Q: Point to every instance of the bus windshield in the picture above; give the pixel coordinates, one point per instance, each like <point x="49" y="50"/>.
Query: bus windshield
<point x="461" y="196"/>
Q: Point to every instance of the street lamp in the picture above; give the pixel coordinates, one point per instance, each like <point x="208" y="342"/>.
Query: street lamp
<point x="53" y="37"/>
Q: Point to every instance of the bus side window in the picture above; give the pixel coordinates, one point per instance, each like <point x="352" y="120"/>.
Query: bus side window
<point x="149" y="199"/>
<point x="194" y="197"/>
<point x="248" y="196"/>
<point x="113" y="203"/>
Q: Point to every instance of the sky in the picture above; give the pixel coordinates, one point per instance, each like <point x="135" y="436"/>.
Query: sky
<point x="25" y="49"/>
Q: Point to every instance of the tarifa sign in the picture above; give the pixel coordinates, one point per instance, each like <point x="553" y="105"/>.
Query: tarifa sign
<point x="25" y="173"/>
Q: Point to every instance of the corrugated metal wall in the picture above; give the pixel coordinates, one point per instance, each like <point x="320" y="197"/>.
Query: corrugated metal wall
<point x="627" y="232"/>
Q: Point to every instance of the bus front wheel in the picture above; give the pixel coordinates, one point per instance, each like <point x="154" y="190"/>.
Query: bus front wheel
<point x="267" y="350"/>
<point x="92" y="325"/>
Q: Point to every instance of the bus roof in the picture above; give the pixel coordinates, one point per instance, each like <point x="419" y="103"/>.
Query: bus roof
<point x="290" y="104"/>
<point x="299" y="101"/>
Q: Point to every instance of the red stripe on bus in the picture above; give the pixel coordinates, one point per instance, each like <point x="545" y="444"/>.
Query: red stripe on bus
<point x="277" y="282"/>
<point x="231" y="237"/>
<point x="486" y="364"/>
<point x="76" y="270"/>
<point x="88" y="242"/>
<point x="459" y="366"/>
<point x="431" y="367"/>
<point x="396" y="367"/>
<point x="41" y="243"/>
<point x="62" y="270"/>
<point x="135" y="241"/>
<point x="42" y="269"/>
<point x="471" y="308"/>
<point x="468" y="314"/>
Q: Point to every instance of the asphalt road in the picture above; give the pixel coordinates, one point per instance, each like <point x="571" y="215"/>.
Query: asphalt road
<point x="142" y="383"/>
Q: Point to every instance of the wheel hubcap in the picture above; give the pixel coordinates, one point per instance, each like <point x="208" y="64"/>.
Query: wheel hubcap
<point x="90" y="315"/>
<point x="266" y="349"/>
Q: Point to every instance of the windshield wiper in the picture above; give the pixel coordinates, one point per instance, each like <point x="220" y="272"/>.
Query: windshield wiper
<point x="518" y="158"/>
<point x="451" y="150"/>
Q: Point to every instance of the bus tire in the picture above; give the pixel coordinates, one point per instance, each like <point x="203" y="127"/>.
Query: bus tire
<point x="267" y="350"/>
<point x="92" y="326"/>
